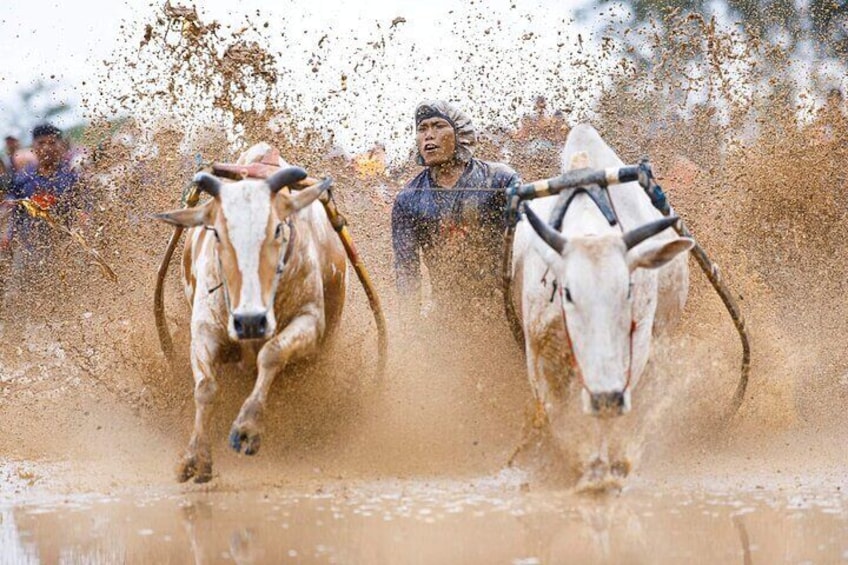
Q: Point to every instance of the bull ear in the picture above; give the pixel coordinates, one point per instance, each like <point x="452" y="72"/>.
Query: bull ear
<point x="551" y="236"/>
<point x="285" y="177"/>
<point x="188" y="217"/>
<point x="303" y="198"/>
<point x="655" y="254"/>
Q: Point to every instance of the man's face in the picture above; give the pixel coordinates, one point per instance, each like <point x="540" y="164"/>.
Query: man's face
<point x="48" y="149"/>
<point x="436" y="141"/>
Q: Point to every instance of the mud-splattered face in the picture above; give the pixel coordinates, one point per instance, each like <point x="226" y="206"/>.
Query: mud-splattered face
<point x="436" y="141"/>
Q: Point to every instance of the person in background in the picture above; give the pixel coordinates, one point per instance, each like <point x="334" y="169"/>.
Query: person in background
<point x="51" y="185"/>
<point x="8" y="163"/>
<point x="450" y="217"/>
<point x="16" y="158"/>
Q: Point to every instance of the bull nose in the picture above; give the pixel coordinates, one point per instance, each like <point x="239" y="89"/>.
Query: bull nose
<point x="250" y="326"/>
<point x="607" y="403"/>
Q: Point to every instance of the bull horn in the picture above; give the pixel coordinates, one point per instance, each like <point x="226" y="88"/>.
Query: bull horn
<point x="636" y="236"/>
<point x="307" y="196"/>
<point x="285" y="177"/>
<point x="546" y="232"/>
<point x="208" y="184"/>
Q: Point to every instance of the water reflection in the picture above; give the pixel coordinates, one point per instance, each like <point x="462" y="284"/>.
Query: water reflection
<point x="427" y="523"/>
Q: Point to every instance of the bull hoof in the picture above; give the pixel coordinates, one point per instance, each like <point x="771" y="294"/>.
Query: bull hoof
<point x="193" y="466"/>
<point x="598" y="479"/>
<point x="244" y="441"/>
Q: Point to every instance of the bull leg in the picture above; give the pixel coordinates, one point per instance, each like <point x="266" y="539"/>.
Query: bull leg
<point x="299" y="338"/>
<point x="197" y="461"/>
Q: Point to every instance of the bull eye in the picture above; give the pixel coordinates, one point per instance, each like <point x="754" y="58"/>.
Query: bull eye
<point x="279" y="231"/>
<point x="568" y="296"/>
<point x="629" y="290"/>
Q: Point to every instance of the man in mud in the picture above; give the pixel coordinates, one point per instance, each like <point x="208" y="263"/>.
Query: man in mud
<point x="51" y="185"/>
<point x="451" y="217"/>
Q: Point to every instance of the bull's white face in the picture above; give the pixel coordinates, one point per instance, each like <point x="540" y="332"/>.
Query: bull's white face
<point x="248" y="220"/>
<point x="251" y="236"/>
<point x="596" y="297"/>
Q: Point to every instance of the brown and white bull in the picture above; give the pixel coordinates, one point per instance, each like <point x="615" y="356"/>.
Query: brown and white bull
<point x="264" y="271"/>
<point x="591" y="297"/>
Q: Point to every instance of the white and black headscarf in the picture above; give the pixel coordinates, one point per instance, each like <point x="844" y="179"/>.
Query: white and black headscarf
<point x="463" y="129"/>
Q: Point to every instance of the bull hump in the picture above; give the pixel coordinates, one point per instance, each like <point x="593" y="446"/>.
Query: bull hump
<point x="579" y="160"/>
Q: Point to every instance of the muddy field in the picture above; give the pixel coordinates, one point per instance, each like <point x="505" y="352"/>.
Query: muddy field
<point x="412" y="467"/>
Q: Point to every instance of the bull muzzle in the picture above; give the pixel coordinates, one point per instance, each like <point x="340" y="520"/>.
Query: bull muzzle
<point x="250" y="326"/>
<point x="607" y="404"/>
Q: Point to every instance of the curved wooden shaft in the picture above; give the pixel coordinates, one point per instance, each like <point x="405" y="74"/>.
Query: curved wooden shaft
<point x="711" y="270"/>
<point x="506" y="279"/>
<point x="339" y="223"/>
<point x="165" y="341"/>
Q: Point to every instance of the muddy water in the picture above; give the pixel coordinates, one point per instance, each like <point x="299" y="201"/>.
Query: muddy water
<point x="487" y="520"/>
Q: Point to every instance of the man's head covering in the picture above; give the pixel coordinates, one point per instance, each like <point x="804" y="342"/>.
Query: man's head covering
<point x="463" y="129"/>
<point x="45" y="129"/>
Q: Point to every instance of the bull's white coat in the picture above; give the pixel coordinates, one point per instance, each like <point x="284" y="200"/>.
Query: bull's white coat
<point x="610" y="291"/>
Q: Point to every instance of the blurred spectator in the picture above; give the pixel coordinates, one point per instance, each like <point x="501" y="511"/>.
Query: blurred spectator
<point x="16" y="158"/>
<point x="539" y="127"/>
<point x="12" y="146"/>
<point x="50" y="184"/>
<point x="371" y="163"/>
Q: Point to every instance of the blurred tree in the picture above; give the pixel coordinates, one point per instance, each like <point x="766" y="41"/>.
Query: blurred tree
<point x="37" y="103"/>
<point x="822" y="22"/>
<point x="829" y="21"/>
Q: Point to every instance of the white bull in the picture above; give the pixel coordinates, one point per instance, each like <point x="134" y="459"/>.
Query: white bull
<point x="590" y="298"/>
<point x="263" y="271"/>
